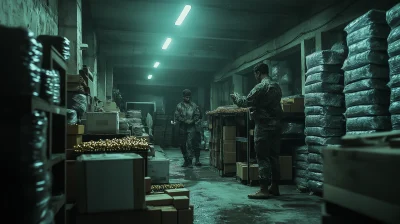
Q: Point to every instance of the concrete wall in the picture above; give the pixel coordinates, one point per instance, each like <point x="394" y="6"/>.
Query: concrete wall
<point x="33" y="14"/>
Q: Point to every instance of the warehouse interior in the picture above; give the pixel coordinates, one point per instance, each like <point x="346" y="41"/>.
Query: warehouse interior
<point x="147" y="111"/>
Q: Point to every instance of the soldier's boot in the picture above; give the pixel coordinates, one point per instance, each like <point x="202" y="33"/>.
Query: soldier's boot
<point x="274" y="189"/>
<point x="261" y="194"/>
<point x="190" y="163"/>
<point x="185" y="164"/>
<point x="197" y="163"/>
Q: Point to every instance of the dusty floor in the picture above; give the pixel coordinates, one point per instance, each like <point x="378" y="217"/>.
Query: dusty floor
<point x="220" y="200"/>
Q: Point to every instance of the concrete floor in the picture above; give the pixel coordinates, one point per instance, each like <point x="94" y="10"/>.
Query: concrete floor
<point x="220" y="200"/>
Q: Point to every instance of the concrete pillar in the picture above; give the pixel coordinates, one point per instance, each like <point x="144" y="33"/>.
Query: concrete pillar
<point x="109" y="81"/>
<point x="101" y="80"/>
<point x="70" y="26"/>
<point x="307" y="47"/>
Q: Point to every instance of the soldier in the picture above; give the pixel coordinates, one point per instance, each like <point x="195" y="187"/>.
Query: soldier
<point x="187" y="114"/>
<point x="266" y="111"/>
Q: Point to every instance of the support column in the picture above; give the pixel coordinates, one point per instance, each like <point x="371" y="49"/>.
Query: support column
<point x="70" y="26"/>
<point x="101" y="80"/>
<point x="307" y="47"/>
<point x="109" y="81"/>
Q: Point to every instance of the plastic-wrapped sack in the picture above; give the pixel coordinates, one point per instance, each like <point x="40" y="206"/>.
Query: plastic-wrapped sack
<point x="324" y="77"/>
<point x="367" y="97"/>
<point x="324" y="99"/>
<point x="281" y="72"/>
<point x="325" y="132"/>
<point x="301" y="165"/>
<point x="72" y="117"/>
<point x="326" y="57"/>
<point x="371" y="17"/>
<point x="302" y="150"/>
<point x="373" y="30"/>
<point x="123" y="124"/>
<point x="315" y="158"/>
<point x="300" y="173"/>
<point x="316" y="176"/>
<point x="325" y="121"/>
<point x="323" y="88"/>
<point x="366" y="84"/>
<point x="365" y="58"/>
<point x="134" y="114"/>
<point x="368" y="123"/>
<point x="395" y="119"/>
<point x="341" y="48"/>
<point x="316" y="149"/>
<point x="394" y="48"/>
<point x="394" y="81"/>
<point x="324" y="68"/>
<point x="394" y="107"/>
<point x="315" y="186"/>
<point x="393" y="16"/>
<point x="367" y="110"/>
<point x="137" y="130"/>
<point x="78" y="103"/>
<point x="292" y="128"/>
<point x="394" y="65"/>
<point x="315" y="140"/>
<point x="317" y="168"/>
<point x="301" y="183"/>
<point x="360" y="132"/>
<point x="369" y="44"/>
<point x="394" y="35"/>
<point x="366" y="72"/>
<point x="395" y="94"/>
<point x="319" y="110"/>
<point x="301" y="157"/>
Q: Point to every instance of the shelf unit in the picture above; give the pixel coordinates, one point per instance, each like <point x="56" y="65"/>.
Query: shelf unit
<point x="57" y="133"/>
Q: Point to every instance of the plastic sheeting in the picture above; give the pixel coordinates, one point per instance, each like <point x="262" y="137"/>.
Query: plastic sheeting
<point x="394" y="35"/>
<point x="394" y="48"/>
<point x="393" y="16"/>
<point x="360" y="132"/>
<point x="301" y="165"/>
<point x="365" y="58"/>
<point x="366" y="72"/>
<point x="366" y="84"/>
<point x="373" y="30"/>
<point x="368" y="123"/>
<point x="281" y="73"/>
<point x="315" y="140"/>
<point x="369" y="44"/>
<point x="315" y="186"/>
<point x="134" y="114"/>
<point x="301" y="183"/>
<point x="394" y="107"/>
<point x="394" y="65"/>
<point x="326" y="121"/>
<point x="302" y="149"/>
<point x="324" y="77"/>
<point x="78" y="103"/>
<point x="319" y="110"/>
<point x="371" y="17"/>
<point x="301" y="157"/>
<point x="292" y="128"/>
<point x="367" y="97"/>
<point x="395" y="119"/>
<point x="316" y="176"/>
<point x="72" y="117"/>
<point x="395" y="94"/>
<point x="300" y="173"/>
<point x="324" y="99"/>
<point x="325" y="57"/>
<point x="324" y="68"/>
<point x="367" y="110"/>
<point x="123" y="124"/>
<point x="325" y="132"/>
<point x="323" y="88"/>
<point x="341" y="48"/>
<point x="316" y="149"/>
<point x="315" y="158"/>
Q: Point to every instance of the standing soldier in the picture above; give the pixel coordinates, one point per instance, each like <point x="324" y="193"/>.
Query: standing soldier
<point x="187" y="114"/>
<point x="266" y="111"/>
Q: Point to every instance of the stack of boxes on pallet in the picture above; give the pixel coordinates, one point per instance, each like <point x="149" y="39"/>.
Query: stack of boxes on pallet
<point x="228" y="150"/>
<point x="163" y="130"/>
<point x="74" y="135"/>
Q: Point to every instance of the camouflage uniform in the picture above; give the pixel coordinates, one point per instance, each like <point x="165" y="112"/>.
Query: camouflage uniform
<point x="187" y="111"/>
<point x="264" y="102"/>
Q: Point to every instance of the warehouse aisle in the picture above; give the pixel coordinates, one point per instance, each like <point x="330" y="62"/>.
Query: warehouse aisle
<point x="220" y="200"/>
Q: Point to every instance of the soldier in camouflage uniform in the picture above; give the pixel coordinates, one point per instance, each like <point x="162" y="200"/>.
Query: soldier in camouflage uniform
<point x="266" y="111"/>
<point x="187" y="114"/>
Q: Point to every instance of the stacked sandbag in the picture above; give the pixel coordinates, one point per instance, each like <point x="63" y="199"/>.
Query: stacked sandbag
<point x="315" y="168"/>
<point x="366" y="74"/>
<point x="393" y="19"/>
<point x="324" y="106"/>
<point x="301" y="166"/>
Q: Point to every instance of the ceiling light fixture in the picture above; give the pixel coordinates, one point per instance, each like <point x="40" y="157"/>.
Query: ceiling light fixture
<point x="166" y="43"/>
<point x="183" y="15"/>
<point x="156" y="64"/>
<point x="149" y="76"/>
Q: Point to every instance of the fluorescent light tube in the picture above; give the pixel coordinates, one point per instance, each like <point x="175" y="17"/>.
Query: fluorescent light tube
<point x="150" y="76"/>
<point x="183" y="15"/>
<point x="166" y="43"/>
<point x="156" y="64"/>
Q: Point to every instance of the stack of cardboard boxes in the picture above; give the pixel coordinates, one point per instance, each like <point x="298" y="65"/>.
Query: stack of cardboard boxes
<point x="228" y="151"/>
<point x="293" y="104"/>
<point x="74" y="135"/>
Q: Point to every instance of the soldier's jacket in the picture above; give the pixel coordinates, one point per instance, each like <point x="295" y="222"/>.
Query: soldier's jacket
<point x="264" y="101"/>
<point x="187" y="111"/>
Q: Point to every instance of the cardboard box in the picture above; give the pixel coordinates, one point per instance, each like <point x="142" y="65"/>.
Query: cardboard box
<point x="286" y="166"/>
<point x="147" y="182"/>
<point x="241" y="171"/>
<point x="102" y="123"/>
<point x="178" y="192"/>
<point x="158" y="170"/>
<point x="169" y="215"/>
<point x="110" y="182"/>
<point x="75" y="129"/>
<point x="159" y="200"/>
<point x="229" y="133"/>
<point x="229" y="146"/>
<point x="181" y="202"/>
<point x="229" y="168"/>
<point x="294" y="105"/>
<point x="229" y="157"/>
<point x="185" y="216"/>
<point x="150" y="215"/>
<point x="73" y="140"/>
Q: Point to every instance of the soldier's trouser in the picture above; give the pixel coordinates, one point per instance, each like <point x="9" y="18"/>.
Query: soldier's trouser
<point x="267" y="152"/>
<point x="187" y="145"/>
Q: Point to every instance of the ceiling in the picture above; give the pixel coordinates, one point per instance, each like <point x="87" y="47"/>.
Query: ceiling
<point x="131" y="33"/>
